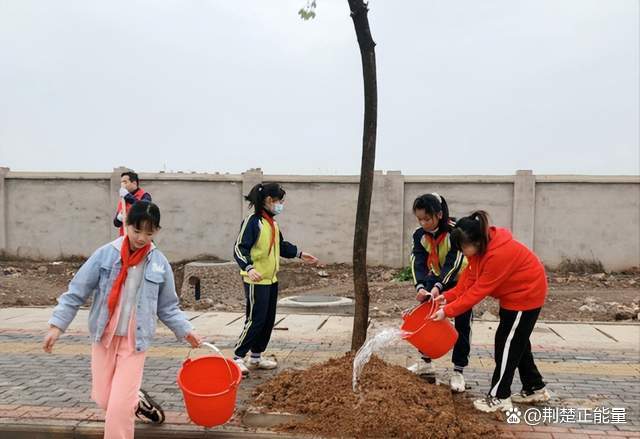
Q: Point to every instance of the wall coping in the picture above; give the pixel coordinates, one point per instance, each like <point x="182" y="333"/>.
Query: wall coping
<point x="459" y="179"/>
<point x="587" y="179"/>
<point x="344" y="179"/>
<point x="161" y="176"/>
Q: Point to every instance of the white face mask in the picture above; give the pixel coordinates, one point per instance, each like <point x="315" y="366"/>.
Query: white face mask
<point x="278" y="208"/>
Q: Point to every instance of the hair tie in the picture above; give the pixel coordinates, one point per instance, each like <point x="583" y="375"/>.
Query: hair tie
<point x="438" y="197"/>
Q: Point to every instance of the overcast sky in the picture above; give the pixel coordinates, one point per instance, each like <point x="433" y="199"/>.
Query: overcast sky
<point x="465" y="87"/>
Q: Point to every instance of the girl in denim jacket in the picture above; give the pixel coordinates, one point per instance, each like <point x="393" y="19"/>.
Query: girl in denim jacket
<point x="131" y="283"/>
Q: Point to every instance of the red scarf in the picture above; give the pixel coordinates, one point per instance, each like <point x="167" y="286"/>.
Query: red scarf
<point x="269" y="219"/>
<point x="434" y="260"/>
<point x="128" y="260"/>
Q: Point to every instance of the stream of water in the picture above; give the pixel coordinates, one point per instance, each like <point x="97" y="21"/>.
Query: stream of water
<point x="384" y="338"/>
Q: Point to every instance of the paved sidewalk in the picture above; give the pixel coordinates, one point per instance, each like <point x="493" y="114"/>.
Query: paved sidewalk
<point x="324" y="328"/>
<point x="589" y="367"/>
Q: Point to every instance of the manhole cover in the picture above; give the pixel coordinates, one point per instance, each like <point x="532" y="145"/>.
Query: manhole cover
<point x="209" y="263"/>
<point x="311" y="298"/>
<point x="310" y="301"/>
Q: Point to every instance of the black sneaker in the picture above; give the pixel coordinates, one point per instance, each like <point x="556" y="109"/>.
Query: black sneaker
<point x="148" y="410"/>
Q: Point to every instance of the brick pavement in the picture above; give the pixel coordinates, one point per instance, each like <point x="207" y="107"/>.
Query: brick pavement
<point x="38" y="387"/>
<point x="49" y="393"/>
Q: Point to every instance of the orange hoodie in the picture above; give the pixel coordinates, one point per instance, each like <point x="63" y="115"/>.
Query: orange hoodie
<point x="508" y="271"/>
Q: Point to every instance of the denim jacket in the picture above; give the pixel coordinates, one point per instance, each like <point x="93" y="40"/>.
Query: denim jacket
<point x="156" y="297"/>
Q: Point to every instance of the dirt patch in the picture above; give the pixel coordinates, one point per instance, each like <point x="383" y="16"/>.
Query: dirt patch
<point x="211" y="285"/>
<point x="572" y="296"/>
<point x="392" y="402"/>
<point x="25" y="283"/>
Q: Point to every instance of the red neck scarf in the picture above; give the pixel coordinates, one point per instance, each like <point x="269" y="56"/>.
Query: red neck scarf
<point x="434" y="260"/>
<point x="129" y="259"/>
<point x="269" y="219"/>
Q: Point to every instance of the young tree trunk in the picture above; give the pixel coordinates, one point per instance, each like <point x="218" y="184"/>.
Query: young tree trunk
<point x="367" y="45"/>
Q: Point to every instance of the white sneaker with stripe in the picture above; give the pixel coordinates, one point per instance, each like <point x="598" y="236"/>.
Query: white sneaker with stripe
<point x="531" y="396"/>
<point x="491" y="404"/>
<point x="262" y="363"/>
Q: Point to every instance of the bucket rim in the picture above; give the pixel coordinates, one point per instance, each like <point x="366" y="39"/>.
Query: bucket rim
<point x="426" y="320"/>
<point x="233" y="385"/>
<point x="409" y="334"/>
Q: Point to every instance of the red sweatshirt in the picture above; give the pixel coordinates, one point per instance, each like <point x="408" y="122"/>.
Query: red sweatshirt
<point x="508" y="271"/>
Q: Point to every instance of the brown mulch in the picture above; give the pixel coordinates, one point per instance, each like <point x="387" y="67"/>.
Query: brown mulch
<point x="391" y="402"/>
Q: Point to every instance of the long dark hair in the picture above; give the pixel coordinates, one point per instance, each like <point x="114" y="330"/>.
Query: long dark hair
<point x="472" y="229"/>
<point x="260" y="192"/>
<point x="144" y="215"/>
<point x="433" y="204"/>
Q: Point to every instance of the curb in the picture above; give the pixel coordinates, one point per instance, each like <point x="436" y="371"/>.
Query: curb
<point x="57" y="429"/>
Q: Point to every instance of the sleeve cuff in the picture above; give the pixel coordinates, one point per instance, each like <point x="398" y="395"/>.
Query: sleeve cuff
<point x="53" y="321"/>
<point x="419" y="287"/>
<point x="447" y="311"/>
<point x="248" y="268"/>
<point x="299" y="254"/>
<point x="184" y="331"/>
<point x="439" y="286"/>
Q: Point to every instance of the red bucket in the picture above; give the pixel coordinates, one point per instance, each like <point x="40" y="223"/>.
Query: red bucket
<point x="433" y="339"/>
<point x="209" y="385"/>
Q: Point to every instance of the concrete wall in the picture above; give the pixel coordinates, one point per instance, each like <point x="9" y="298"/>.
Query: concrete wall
<point x="588" y="220"/>
<point x="55" y="215"/>
<point x="51" y="218"/>
<point x="197" y="217"/>
<point x="320" y="217"/>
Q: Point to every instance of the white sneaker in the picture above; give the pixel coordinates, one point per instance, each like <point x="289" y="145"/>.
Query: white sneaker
<point x="529" y="396"/>
<point x="422" y="368"/>
<point x="148" y="410"/>
<point x="491" y="404"/>
<point x="457" y="383"/>
<point x="262" y="363"/>
<point x="242" y="366"/>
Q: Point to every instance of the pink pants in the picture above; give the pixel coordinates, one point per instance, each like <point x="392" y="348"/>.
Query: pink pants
<point x="116" y="371"/>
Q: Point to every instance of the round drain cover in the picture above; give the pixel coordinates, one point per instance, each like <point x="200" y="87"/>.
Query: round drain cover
<point x="310" y="301"/>
<point x="312" y="298"/>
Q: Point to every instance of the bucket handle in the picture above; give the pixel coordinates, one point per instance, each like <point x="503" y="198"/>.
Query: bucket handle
<point x="409" y="311"/>
<point x="218" y="351"/>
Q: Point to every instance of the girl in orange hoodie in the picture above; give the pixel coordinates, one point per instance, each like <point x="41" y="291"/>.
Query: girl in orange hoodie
<point x="501" y="267"/>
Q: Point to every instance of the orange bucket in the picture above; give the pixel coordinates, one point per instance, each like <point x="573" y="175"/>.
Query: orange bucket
<point x="433" y="339"/>
<point x="209" y="386"/>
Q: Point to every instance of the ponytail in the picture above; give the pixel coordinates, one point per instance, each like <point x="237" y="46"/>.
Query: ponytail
<point x="482" y="218"/>
<point x="472" y="229"/>
<point x="444" y="221"/>
<point x="256" y="198"/>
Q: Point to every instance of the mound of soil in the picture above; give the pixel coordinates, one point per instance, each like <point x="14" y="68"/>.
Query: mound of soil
<point x="391" y="402"/>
